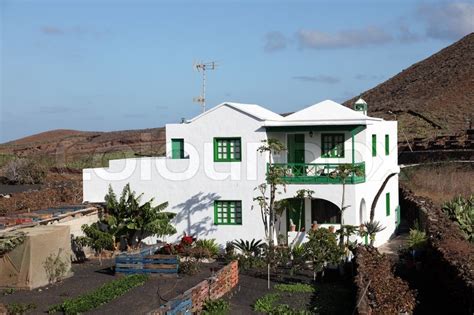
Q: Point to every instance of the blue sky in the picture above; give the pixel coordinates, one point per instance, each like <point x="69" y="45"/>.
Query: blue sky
<point x="113" y="65"/>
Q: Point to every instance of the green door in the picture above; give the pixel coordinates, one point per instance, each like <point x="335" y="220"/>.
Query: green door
<point x="294" y="212"/>
<point x="177" y="148"/>
<point x="296" y="153"/>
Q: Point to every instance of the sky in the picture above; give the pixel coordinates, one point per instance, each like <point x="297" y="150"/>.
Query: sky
<point x="103" y="65"/>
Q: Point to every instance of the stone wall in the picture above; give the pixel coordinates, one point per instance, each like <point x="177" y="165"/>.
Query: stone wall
<point x="450" y="257"/>
<point x="210" y="289"/>
<point x="379" y="291"/>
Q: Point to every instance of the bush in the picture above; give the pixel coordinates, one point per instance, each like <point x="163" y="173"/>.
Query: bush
<point x="252" y="248"/>
<point x="20" y="308"/>
<point x="295" y="287"/>
<point x="209" y="245"/>
<point x="461" y="211"/>
<point x="24" y="171"/>
<point x="216" y="307"/>
<point x="322" y="248"/>
<point x="416" y="239"/>
<point x="189" y="267"/>
<point x="55" y="267"/>
<point x="100" y="296"/>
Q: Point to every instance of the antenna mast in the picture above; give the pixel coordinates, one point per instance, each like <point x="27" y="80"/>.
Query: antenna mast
<point x="203" y="67"/>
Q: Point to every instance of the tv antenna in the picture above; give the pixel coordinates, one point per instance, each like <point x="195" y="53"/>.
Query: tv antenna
<point x="203" y="67"/>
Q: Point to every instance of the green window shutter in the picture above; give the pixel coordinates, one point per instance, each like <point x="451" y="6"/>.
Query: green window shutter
<point x="387" y="145"/>
<point x="332" y="145"/>
<point x="228" y="212"/>
<point x="374" y="145"/>
<point x="177" y="148"/>
<point x="227" y="149"/>
<point x="387" y="204"/>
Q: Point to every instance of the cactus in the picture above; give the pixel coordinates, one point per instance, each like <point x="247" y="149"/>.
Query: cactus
<point x="461" y="211"/>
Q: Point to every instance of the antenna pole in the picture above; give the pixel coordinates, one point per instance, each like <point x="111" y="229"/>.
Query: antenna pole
<point x="203" y="66"/>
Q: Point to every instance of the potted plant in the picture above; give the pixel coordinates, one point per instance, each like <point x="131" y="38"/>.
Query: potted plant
<point x="314" y="226"/>
<point x="332" y="229"/>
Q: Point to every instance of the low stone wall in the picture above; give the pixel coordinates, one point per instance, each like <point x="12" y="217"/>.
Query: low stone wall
<point x="379" y="291"/>
<point x="210" y="289"/>
<point x="450" y="257"/>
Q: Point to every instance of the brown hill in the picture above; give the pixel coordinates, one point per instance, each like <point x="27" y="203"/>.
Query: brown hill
<point x="432" y="97"/>
<point x="66" y="146"/>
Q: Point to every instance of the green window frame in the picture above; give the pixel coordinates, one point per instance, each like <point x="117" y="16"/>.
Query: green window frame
<point x="227" y="149"/>
<point x="387" y="144"/>
<point x="228" y="212"/>
<point x="177" y="148"/>
<point x="374" y="145"/>
<point x="332" y="145"/>
<point x="387" y="203"/>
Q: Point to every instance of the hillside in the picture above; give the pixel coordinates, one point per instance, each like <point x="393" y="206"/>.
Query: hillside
<point x="432" y="97"/>
<point x="66" y="146"/>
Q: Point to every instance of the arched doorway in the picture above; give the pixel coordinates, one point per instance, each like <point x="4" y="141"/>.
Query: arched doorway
<point x="325" y="212"/>
<point x="362" y="211"/>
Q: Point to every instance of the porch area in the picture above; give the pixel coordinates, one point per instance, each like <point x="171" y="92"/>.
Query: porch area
<point x="301" y="215"/>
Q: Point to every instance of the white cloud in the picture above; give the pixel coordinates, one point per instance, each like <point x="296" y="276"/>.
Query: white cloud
<point x="314" y="39"/>
<point x="274" y="41"/>
<point x="318" y="78"/>
<point x="448" y="20"/>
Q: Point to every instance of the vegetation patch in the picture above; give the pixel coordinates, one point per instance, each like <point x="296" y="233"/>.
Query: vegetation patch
<point x="295" y="287"/>
<point x="100" y="296"/>
<point x="9" y="242"/>
<point x="268" y="305"/>
<point x="216" y="307"/>
<point x="461" y="211"/>
<point x="20" y="308"/>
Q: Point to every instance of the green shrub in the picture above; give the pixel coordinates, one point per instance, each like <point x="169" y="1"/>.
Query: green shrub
<point x="295" y="287"/>
<point x="265" y="303"/>
<point x="461" y="211"/>
<point x="20" y="308"/>
<point x="216" y="307"/>
<point x="99" y="296"/>
<point x="322" y="249"/>
<point x="416" y="239"/>
<point x="210" y="245"/>
<point x="252" y="248"/>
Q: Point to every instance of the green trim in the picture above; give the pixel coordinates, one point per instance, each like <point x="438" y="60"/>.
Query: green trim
<point x="316" y="173"/>
<point x="314" y="128"/>
<point x="331" y="152"/>
<point x="226" y="204"/>
<point x="354" y="132"/>
<point x="387" y="204"/>
<point x="374" y="145"/>
<point x="228" y="149"/>
<point x="387" y="144"/>
<point x="177" y="148"/>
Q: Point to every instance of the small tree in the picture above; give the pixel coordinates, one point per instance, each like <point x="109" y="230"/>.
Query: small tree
<point x="96" y="239"/>
<point x="322" y="249"/>
<point x="274" y="179"/>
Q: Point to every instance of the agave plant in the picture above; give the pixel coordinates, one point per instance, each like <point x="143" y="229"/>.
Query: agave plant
<point x="209" y="245"/>
<point x="372" y="228"/>
<point x="416" y="239"/>
<point x="461" y="211"/>
<point x="252" y="248"/>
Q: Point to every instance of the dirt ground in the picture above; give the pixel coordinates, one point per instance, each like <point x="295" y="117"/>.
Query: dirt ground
<point x="333" y="295"/>
<point x="90" y="275"/>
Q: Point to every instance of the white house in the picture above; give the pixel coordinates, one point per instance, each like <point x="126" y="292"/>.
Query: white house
<point x="212" y="167"/>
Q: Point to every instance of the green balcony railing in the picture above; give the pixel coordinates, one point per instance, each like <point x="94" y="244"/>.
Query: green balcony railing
<point x="317" y="173"/>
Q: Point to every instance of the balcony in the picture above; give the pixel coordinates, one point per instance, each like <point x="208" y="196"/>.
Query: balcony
<point x="317" y="173"/>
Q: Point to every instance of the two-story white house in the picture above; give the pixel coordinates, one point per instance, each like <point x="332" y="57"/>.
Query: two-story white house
<point x="212" y="167"/>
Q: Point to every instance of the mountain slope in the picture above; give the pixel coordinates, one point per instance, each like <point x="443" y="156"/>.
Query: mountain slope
<point x="432" y="97"/>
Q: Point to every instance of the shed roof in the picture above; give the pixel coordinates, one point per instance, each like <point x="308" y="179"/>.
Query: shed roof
<point x="253" y="110"/>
